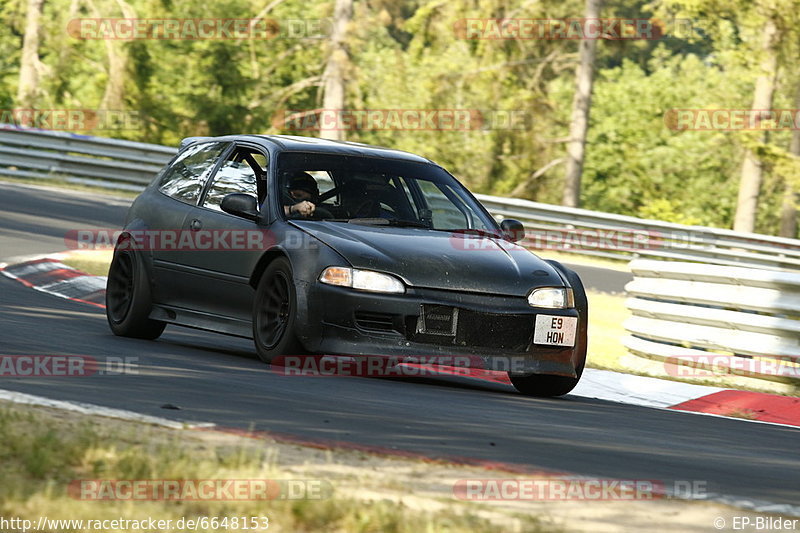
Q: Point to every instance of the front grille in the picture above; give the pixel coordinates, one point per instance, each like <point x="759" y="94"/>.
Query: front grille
<point x="370" y="321"/>
<point x="482" y="330"/>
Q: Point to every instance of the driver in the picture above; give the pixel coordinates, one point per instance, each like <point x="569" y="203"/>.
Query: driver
<point x="304" y="193"/>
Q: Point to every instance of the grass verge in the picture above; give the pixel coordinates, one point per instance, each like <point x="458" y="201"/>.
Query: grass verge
<point x="44" y="451"/>
<point x="94" y="262"/>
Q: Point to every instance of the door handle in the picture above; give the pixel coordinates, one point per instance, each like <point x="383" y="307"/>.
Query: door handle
<point x="195" y="225"/>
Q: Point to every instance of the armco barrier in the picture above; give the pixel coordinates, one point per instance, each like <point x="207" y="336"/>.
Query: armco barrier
<point x="99" y="161"/>
<point x="118" y="164"/>
<point x="734" y="320"/>
<point x="656" y="239"/>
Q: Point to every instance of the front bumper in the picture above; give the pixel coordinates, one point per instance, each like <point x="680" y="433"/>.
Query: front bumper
<point x="495" y="332"/>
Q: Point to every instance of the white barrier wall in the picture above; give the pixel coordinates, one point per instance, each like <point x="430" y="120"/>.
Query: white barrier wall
<point x="744" y="321"/>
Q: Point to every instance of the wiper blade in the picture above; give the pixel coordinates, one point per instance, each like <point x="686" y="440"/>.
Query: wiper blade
<point x="396" y="222"/>
<point x="369" y="221"/>
<point x="477" y="232"/>
<point x="408" y="223"/>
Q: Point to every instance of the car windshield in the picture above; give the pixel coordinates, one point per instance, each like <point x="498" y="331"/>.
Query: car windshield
<point x="374" y="191"/>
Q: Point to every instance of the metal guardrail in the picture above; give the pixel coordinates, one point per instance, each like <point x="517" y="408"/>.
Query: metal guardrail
<point x="127" y="165"/>
<point x="585" y="232"/>
<point x="729" y="320"/>
<point x="99" y="161"/>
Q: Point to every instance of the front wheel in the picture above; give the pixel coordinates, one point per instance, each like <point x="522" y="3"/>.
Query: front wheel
<point x="128" y="302"/>
<point x="545" y="386"/>
<point x="274" y="312"/>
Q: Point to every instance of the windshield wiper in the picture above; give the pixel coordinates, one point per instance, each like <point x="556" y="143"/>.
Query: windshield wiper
<point x="402" y="223"/>
<point x="476" y="232"/>
<point x="396" y="222"/>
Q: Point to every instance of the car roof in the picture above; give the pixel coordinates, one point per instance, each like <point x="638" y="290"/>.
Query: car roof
<point x="297" y="143"/>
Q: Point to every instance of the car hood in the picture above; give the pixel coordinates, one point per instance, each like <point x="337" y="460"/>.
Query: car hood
<point x="437" y="259"/>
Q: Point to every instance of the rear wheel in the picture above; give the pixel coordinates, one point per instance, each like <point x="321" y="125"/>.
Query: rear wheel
<point x="274" y="312"/>
<point x="128" y="302"/>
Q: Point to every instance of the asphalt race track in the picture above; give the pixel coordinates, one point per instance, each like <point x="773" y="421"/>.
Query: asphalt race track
<point x="213" y="378"/>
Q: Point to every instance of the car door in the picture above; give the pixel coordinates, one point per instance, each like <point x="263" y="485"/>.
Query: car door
<point x="229" y="246"/>
<point x="181" y="187"/>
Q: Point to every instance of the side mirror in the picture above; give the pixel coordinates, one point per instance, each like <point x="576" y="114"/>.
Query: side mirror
<point x="240" y="205"/>
<point x="513" y="230"/>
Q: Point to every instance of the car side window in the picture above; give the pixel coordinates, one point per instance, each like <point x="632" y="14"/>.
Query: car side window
<point x="184" y="180"/>
<point x="324" y="181"/>
<point x="241" y="172"/>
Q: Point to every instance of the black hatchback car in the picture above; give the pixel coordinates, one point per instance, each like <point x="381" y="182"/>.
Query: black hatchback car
<point x="315" y="246"/>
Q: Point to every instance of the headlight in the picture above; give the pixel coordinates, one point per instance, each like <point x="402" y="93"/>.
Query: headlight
<point x="552" y="298"/>
<point x="365" y="280"/>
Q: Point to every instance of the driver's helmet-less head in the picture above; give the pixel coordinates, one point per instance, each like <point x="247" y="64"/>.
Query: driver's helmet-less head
<point x="302" y="181"/>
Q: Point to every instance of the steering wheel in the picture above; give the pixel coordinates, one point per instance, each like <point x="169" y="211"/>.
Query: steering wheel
<point x="366" y="208"/>
<point x="320" y="213"/>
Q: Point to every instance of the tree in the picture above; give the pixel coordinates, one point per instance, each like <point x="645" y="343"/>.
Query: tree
<point x="334" y="77"/>
<point x="758" y="32"/>
<point x="114" y="93"/>
<point x="30" y="65"/>
<point x="788" y="227"/>
<point x="752" y="167"/>
<point x="581" y="107"/>
<point x="638" y="165"/>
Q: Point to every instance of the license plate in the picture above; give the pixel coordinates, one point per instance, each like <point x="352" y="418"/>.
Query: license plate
<point x="437" y="320"/>
<point x="555" y="330"/>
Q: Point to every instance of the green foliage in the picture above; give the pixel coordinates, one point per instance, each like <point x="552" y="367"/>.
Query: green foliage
<point x="637" y="165"/>
<point x="408" y="55"/>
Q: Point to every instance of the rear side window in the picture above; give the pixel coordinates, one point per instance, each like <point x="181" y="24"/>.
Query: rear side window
<point x="244" y="171"/>
<point x="184" y="180"/>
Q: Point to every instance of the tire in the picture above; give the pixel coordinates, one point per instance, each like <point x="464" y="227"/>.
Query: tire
<point x="128" y="302"/>
<point x="545" y="385"/>
<point x="275" y="312"/>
